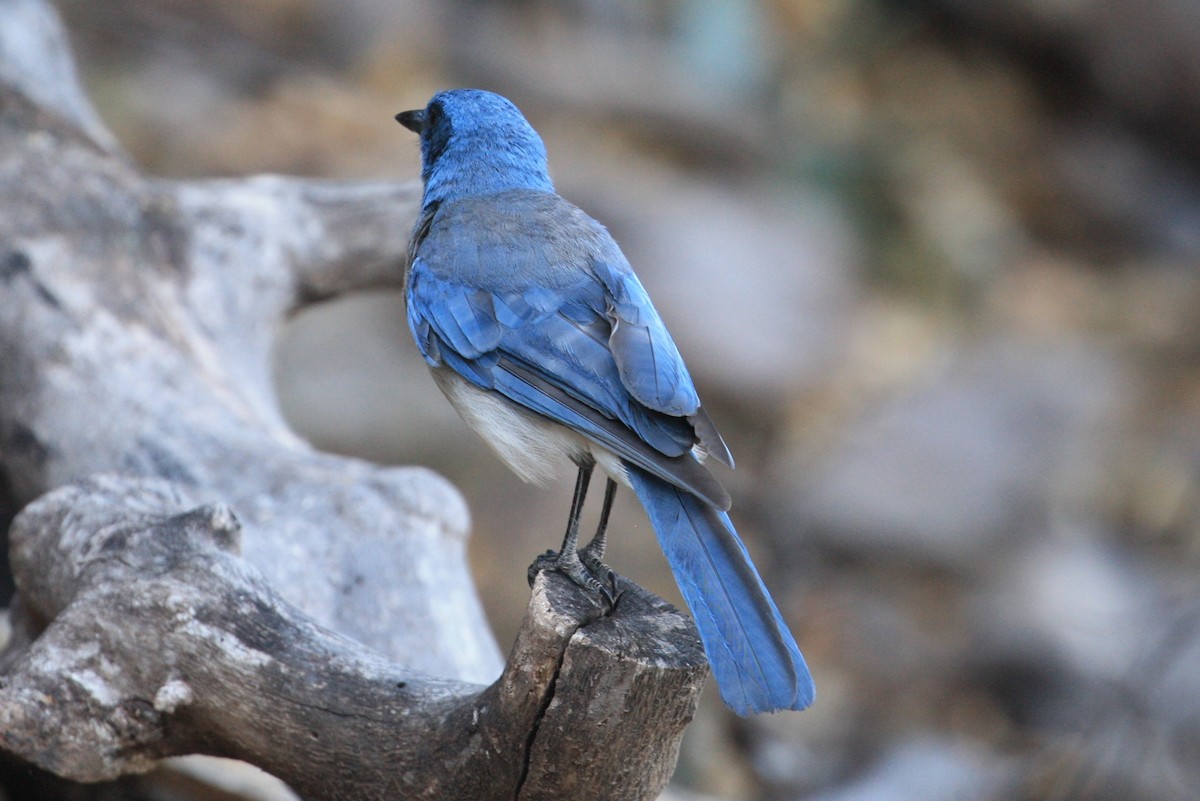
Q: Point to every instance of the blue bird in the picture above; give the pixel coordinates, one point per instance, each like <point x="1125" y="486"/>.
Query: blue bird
<point x="538" y="332"/>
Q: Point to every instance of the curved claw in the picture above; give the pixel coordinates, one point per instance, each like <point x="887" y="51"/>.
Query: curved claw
<point x="591" y="560"/>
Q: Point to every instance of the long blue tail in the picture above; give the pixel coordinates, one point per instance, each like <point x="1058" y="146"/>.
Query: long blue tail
<point x="754" y="658"/>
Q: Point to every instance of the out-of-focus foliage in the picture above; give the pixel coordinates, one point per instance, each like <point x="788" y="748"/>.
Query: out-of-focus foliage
<point x="935" y="267"/>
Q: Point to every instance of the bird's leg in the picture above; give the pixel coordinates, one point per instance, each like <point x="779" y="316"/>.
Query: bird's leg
<point x="571" y="538"/>
<point x="595" y="548"/>
<point x="592" y="554"/>
<point x="567" y="560"/>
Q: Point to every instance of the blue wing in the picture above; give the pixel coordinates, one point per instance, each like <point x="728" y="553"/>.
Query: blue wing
<point x="566" y="334"/>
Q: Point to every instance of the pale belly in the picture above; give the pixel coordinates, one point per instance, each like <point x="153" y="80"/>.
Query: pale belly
<point x="535" y="448"/>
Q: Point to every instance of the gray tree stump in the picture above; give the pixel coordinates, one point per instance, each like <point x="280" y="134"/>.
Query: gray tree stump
<point x="194" y="578"/>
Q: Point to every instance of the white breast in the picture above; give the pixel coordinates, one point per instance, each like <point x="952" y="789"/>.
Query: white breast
<point x="534" y="447"/>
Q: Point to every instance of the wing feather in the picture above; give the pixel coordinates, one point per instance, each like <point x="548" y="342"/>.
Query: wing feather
<point x="572" y="337"/>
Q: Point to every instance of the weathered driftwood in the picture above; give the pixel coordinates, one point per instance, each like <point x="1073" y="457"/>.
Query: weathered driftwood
<point x="162" y="641"/>
<point x="137" y="318"/>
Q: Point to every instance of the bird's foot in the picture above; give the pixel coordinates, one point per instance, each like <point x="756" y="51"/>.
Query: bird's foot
<point x="585" y="571"/>
<point x="592" y="557"/>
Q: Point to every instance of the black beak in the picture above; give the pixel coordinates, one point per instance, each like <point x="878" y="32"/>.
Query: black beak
<point x="412" y="120"/>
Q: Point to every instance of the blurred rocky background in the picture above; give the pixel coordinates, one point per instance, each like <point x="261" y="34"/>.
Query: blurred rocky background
<point x="934" y="265"/>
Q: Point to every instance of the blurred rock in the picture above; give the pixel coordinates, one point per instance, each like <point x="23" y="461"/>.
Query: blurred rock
<point x="1121" y="757"/>
<point x="1069" y="601"/>
<point x="927" y="769"/>
<point x="1094" y="652"/>
<point x="960" y="464"/>
<point x="756" y="285"/>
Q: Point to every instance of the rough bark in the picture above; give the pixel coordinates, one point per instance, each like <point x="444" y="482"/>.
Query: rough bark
<point x="162" y="641"/>
<point x="199" y="579"/>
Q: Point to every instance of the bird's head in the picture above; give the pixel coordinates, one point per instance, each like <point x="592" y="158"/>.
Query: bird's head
<point x="476" y="143"/>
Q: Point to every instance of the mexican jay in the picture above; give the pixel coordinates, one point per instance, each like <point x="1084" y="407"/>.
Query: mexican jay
<point x="539" y="333"/>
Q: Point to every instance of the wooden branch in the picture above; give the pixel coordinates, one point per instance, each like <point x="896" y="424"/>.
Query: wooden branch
<point x="164" y="642"/>
<point x="136" y="334"/>
<point x="183" y="596"/>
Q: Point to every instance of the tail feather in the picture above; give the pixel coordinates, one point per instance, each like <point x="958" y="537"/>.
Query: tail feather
<point x="754" y="658"/>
